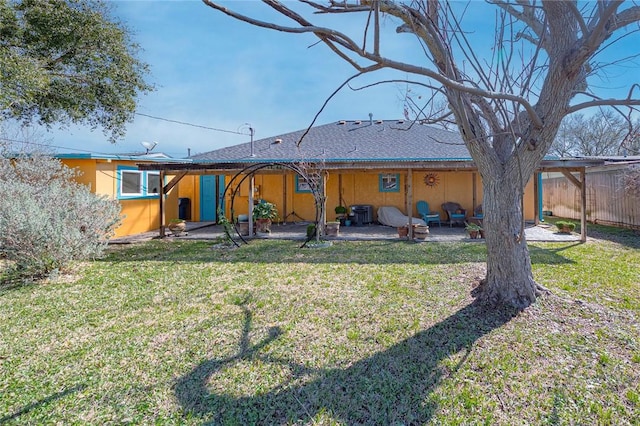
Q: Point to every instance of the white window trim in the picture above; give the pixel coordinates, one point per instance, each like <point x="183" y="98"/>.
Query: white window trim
<point x="146" y="181"/>
<point x="143" y="189"/>
<point x="140" y="192"/>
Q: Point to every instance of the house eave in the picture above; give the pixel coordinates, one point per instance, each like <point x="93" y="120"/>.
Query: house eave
<point x="455" y="164"/>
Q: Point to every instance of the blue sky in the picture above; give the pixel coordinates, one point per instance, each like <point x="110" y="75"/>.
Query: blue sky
<point x="214" y="71"/>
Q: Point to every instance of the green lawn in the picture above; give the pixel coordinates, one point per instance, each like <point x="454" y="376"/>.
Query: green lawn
<point x="179" y="332"/>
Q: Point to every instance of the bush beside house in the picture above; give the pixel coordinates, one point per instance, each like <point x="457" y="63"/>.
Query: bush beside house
<point x="48" y="219"/>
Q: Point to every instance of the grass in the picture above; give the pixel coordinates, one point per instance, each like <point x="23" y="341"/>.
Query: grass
<point x="179" y="332"/>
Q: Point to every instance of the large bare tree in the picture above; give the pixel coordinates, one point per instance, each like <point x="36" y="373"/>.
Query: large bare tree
<point x="508" y="102"/>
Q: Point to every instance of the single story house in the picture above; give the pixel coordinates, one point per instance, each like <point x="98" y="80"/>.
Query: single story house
<point x="119" y="177"/>
<point x="366" y="164"/>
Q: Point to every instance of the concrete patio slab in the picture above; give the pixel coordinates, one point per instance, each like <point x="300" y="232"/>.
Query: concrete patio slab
<point x="297" y="231"/>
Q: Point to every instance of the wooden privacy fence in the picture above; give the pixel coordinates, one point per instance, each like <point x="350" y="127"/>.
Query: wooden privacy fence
<point x="607" y="201"/>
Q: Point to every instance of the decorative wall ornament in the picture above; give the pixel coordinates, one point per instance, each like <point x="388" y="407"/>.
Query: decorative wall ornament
<point x="431" y="179"/>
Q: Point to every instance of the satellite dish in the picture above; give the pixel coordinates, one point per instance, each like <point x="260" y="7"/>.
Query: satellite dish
<point x="149" y="145"/>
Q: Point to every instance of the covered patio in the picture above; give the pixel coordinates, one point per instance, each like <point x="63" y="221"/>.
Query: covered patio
<point x="573" y="169"/>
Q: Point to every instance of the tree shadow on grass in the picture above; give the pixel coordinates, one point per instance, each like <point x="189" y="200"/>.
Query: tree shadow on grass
<point x="42" y="402"/>
<point x="391" y="387"/>
<point x="551" y="256"/>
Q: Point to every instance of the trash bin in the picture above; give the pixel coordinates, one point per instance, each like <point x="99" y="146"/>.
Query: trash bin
<point x="184" y="208"/>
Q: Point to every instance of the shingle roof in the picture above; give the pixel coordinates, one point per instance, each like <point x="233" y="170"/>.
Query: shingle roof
<point x="378" y="140"/>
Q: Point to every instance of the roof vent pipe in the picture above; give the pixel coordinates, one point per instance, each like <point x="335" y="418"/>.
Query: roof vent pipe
<point x="370" y="118"/>
<point x="251" y="132"/>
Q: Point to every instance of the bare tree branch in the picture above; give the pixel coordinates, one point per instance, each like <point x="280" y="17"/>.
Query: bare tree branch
<point x="576" y="13"/>
<point x="624" y="18"/>
<point x="598" y="102"/>
<point x="327" y="35"/>
<point x="602" y="30"/>
<point x="527" y="15"/>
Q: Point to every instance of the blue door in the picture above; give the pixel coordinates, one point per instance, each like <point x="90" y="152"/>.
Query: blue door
<point x="208" y="198"/>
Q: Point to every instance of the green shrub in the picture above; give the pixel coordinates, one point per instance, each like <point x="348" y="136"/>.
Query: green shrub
<point x="561" y="224"/>
<point x="47" y="219"/>
<point x="265" y="210"/>
<point x="311" y="230"/>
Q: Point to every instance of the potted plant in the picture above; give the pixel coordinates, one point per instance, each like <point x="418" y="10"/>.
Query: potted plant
<point x="565" y="227"/>
<point x="341" y="214"/>
<point x="177" y="226"/>
<point x="473" y="229"/>
<point x="264" y="212"/>
<point x="347" y="220"/>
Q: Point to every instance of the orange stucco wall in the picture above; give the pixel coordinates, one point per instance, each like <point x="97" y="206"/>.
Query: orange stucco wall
<point x="87" y="171"/>
<point x="358" y="187"/>
<point x="138" y="215"/>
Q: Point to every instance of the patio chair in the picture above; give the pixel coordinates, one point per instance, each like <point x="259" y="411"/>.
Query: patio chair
<point x="427" y="215"/>
<point x="455" y="213"/>
<point x="477" y="212"/>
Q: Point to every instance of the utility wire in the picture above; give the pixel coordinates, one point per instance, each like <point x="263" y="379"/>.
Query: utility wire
<point x="46" y="145"/>
<point x="137" y="113"/>
<point x="189" y="124"/>
<point x="74" y="150"/>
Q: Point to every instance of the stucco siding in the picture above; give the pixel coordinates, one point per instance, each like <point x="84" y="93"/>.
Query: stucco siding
<point x="358" y="187"/>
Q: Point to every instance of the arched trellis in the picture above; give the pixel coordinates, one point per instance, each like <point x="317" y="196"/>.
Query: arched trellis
<point x="315" y="184"/>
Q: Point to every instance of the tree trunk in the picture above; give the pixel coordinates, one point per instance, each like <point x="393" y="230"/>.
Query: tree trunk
<point x="509" y="279"/>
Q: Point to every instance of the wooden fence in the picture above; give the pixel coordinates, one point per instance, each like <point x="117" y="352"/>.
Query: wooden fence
<point x="607" y="201"/>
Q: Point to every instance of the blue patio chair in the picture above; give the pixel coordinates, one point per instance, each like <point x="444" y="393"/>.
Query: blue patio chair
<point x="427" y="215"/>
<point x="455" y="213"/>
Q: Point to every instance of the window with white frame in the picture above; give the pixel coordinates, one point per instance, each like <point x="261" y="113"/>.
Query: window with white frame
<point x="153" y="183"/>
<point x="130" y="183"/>
<point x="136" y="184"/>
